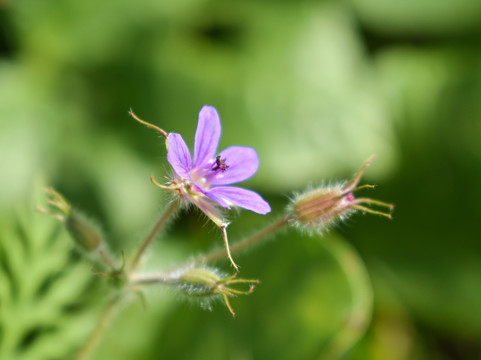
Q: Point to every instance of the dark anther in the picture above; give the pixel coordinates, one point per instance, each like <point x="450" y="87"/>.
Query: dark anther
<point x="220" y="164"/>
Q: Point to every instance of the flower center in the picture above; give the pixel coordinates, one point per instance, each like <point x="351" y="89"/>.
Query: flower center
<point x="219" y="164"/>
<point x="207" y="172"/>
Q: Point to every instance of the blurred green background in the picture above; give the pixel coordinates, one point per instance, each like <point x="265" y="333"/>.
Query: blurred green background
<point x="316" y="87"/>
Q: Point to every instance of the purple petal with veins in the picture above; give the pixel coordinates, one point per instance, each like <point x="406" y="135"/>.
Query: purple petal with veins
<point x="242" y="163"/>
<point x="241" y="197"/>
<point x="217" y="198"/>
<point x="207" y="135"/>
<point x="178" y="155"/>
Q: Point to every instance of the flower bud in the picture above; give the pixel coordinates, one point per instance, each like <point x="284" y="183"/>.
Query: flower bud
<point x="200" y="281"/>
<point x="323" y="207"/>
<point x="85" y="234"/>
<point x="82" y="230"/>
<point x="208" y="284"/>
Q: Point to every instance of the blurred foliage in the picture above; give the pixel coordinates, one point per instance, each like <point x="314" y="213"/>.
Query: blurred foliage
<point x="44" y="305"/>
<point x="316" y="87"/>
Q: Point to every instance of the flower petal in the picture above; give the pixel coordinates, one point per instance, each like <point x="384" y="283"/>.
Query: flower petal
<point x="178" y="155"/>
<point x="243" y="163"/>
<point x="207" y="135"/>
<point x="218" y="199"/>
<point x="232" y="195"/>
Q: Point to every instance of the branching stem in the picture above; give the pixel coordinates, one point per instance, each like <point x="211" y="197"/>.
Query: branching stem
<point x="169" y="277"/>
<point x="247" y="242"/>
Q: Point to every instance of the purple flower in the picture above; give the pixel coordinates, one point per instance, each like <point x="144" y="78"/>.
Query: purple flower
<point x="202" y="180"/>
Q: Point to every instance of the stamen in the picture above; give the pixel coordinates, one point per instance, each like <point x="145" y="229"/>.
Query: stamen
<point x="220" y="164"/>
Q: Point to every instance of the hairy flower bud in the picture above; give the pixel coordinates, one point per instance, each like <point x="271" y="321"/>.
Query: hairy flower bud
<point x="207" y="284"/>
<point x="83" y="231"/>
<point x="85" y="234"/>
<point x="323" y="207"/>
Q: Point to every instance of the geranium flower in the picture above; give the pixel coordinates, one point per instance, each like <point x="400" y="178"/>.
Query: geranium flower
<point x="202" y="180"/>
<point x="208" y="172"/>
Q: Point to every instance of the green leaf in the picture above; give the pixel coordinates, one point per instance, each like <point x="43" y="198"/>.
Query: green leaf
<point x="45" y="313"/>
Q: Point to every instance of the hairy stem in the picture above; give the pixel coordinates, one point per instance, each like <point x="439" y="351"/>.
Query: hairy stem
<point x="243" y="244"/>
<point x="153" y="278"/>
<point x="97" y="333"/>
<point x="173" y="206"/>
<point x="170" y="277"/>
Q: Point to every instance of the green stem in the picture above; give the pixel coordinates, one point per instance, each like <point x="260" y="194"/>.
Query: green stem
<point x="97" y="333"/>
<point x="361" y="298"/>
<point x="241" y="245"/>
<point x="107" y="259"/>
<point x="173" y="206"/>
<point x="169" y="277"/>
<point x="153" y="278"/>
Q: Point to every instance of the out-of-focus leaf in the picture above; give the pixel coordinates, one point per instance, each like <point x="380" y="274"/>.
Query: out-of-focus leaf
<point x="44" y="313"/>
<point x="325" y="112"/>
<point x="433" y="96"/>
<point x="430" y="253"/>
<point x="420" y="17"/>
